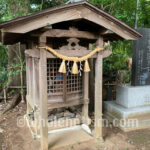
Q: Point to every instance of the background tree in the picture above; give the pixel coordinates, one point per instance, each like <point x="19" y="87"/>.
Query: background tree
<point x="125" y="10"/>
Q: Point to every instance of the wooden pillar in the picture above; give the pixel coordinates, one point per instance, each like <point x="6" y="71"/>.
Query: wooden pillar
<point x="98" y="91"/>
<point x="43" y="95"/>
<point x="91" y="82"/>
<point x="85" y="116"/>
<point x="27" y="79"/>
<point x="27" y="83"/>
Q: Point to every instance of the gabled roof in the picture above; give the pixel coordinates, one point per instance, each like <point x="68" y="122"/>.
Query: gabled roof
<point x="79" y="10"/>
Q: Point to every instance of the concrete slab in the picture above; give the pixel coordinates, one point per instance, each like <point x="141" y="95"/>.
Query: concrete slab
<point x="133" y="96"/>
<point x="122" y="112"/>
<point x="69" y="137"/>
<point x="127" y="118"/>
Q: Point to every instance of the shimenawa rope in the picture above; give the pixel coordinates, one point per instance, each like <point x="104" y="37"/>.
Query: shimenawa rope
<point x="62" y="68"/>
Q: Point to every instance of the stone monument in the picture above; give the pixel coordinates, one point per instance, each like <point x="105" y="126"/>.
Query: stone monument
<point x="132" y="105"/>
<point x="141" y="59"/>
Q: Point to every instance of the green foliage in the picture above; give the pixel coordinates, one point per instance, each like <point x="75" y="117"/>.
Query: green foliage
<point x="44" y="4"/>
<point x="125" y="10"/>
<point x="3" y="64"/>
<point x="13" y="8"/>
<point x="11" y="92"/>
<point x="6" y="73"/>
<point x="3" y="78"/>
<point x="117" y="61"/>
<point x="10" y="9"/>
<point x="144" y="15"/>
<point x="3" y="56"/>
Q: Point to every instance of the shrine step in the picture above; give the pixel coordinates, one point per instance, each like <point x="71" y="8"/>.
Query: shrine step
<point x="127" y="118"/>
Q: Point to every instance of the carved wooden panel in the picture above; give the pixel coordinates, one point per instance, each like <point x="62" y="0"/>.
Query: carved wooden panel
<point x="73" y="44"/>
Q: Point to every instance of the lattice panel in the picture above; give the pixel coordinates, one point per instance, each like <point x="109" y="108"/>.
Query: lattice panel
<point x="74" y="82"/>
<point x="57" y="80"/>
<point x="54" y="78"/>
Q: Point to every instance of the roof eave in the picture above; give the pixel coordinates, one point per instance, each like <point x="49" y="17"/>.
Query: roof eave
<point x="86" y="4"/>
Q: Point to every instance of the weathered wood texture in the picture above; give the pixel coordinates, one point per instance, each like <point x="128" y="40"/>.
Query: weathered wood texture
<point x="44" y="20"/>
<point x="91" y="82"/>
<point x="36" y="80"/>
<point x="73" y="44"/>
<point x="76" y="53"/>
<point x="72" y="32"/>
<point x="85" y="107"/>
<point x="43" y="95"/>
<point x="67" y="104"/>
<point x="103" y="21"/>
<point x="27" y="77"/>
<point x="29" y="106"/>
<point x="71" y="14"/>
<point x="98" y="92"/>
<point x="30" y="75"/>
<point x="30" y="101"/>
<point x="64" y="86"/>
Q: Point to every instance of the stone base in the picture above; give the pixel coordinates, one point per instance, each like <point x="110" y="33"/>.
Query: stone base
<point x="133" y="96"/>
<point x="127" y="118"/>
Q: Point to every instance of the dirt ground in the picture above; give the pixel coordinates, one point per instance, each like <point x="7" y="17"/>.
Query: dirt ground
<point x="17" y="138"/>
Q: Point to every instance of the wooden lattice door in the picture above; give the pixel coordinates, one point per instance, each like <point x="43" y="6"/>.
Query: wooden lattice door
<point x="63" y="87"/>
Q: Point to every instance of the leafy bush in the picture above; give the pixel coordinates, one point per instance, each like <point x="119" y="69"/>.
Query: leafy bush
<point x="117" y="61"/>
<point x="3" y="65"/>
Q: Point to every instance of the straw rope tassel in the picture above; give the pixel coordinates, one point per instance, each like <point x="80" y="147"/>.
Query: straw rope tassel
<point x="75" y="68"/>
<point x="62" y="67"/>
<point x="86" y="66"/>
<point x="67" y="58"/>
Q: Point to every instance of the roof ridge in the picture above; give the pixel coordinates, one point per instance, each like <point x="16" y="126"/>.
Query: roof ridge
<point x="65" y="6"/>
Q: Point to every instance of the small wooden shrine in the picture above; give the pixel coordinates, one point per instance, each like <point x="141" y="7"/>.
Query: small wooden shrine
<point x="70" y="31"/>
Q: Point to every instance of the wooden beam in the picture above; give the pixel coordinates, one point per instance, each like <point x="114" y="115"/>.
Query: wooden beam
<point x="43" y="96"/>
<point x="106" y="53"/>
<point x="17" y="87"/>
<point x="98" y="92"/>
<point x="32" y="53"/>
<point x="72" y="32"/>
<point x="52" y="105"/>
<point x="76" y="53"/>
<point x="44" y="20"/>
